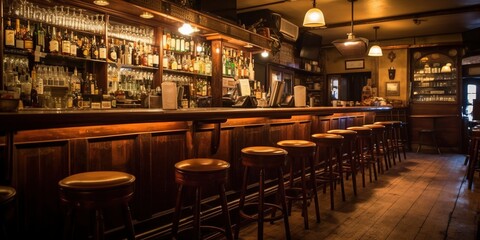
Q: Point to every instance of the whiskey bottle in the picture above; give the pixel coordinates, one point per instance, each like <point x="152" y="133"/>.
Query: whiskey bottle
<point x="73" y="44"/>
<point x="94" y="49"/>
<point x="48" y="38"/>
<point x="86" y="47"/>
<point x="66" y="43"/>
<point x="39" y="37"/>
<point x="112" y="52"/>
<point x="28" y="39"/>
<point x="9" y="34"/>
<point x="102" y="50"/>
<point x="54" y="45"/>
<point x="19" y="42"/>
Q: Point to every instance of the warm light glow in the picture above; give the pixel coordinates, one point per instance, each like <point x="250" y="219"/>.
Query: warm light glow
<point x="314" y="18"/>
<point x="351" y="43"/>
<point x="101" y="2"/>
<point x="447" y="68"/>
<point x="264" y="53"/>
<point x="375" y="51"/>
<point x="248" y="45"/>
<point x="199" y="48"/>
<point x="217" y="50"/>
<point x="146" y="15"/>
<point x="186" y="29"/>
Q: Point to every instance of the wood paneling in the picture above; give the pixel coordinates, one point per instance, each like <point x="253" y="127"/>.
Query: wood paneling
<point x="149" y="151"/>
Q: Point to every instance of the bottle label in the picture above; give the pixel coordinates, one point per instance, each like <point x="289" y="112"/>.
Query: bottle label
<point x="53" y="46"/>
<point x="103" y="53"/>
<point x="66" y="47"/>
<point x="19" y="43"/>
<point x="10" y="38"/>
<point x="29" y="44"/>
<point x="113" y="55"/>
<point x="73" y="50"/>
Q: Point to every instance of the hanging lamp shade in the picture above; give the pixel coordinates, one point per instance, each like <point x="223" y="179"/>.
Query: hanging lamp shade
<point x="375" y="50"/>
<point x="314" y="17"/>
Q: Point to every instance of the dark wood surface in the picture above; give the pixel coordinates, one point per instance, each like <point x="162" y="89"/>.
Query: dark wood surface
<point x="50" y="145"/>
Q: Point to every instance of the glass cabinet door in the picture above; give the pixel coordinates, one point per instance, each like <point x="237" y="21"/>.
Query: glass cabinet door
<point x="434" y="79"/>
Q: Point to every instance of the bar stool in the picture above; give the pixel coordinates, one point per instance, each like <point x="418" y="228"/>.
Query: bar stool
<point x="7" y="195"/>
<point x="199" y="173"/>
<point x="390" y="141"/>
<point x="365" y="151"/>
<point x="474" y="148"/>
<point x="331" y="164"/>
<point x="427" y="133"/>
<point x="301" y="151"/>
<point x="97" y="190"/>
<point x="403" y="138"/>
<point x="399" y="145"/>
<point x="349" y="163"/>
<point x="379" y="145"/>
<point x="263" y="158"/>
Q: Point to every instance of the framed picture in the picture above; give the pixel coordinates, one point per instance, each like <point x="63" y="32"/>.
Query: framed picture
<point x="355" y="64"/>
<point x="392" y="89"/>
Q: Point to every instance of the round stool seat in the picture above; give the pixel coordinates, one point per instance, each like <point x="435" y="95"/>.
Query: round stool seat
<point x="264" y="156"/>
<point x="375" y="126"/>
<point x="96" y="180"/>
<point x="390" y="123"/>
<point x="7" y="194"/>
<point x="97" y="188"/>
<point x="298" y="147"/>
<point x="201" y="171"/>
<point x="361" y="131"/>
<point x="327" y="139"/>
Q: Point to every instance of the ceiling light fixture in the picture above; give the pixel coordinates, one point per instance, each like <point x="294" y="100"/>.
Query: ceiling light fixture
<point x="264" y="53"/>
<point x="375" y="50"/>
<point x="314" y="17"/>
<point x="186" y="29"/>
<point x="146" y="15"/>
<point x="352" y="46"/>
<point x="101" y="2"/>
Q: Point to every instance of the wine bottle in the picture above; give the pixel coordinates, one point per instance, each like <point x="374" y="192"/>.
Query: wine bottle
<point x="19" y="42"/>
<point x="94" y="48"/>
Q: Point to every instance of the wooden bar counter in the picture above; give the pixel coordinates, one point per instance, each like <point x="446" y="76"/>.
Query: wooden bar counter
<point x="40" y="147"/>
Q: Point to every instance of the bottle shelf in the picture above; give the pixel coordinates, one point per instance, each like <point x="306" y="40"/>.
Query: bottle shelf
<point x="184" y="72"/>
<point x="133" y="66"/>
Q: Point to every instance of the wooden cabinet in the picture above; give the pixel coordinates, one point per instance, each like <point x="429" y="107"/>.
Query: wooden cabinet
<point x="435" y="94"/>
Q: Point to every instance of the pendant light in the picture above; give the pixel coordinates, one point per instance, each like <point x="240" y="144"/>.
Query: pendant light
<point x="314" y="17"/>
<point x="375" y="50"/>
<point x="101" y="2"/>
<point x="186" y="29"/>
<point x="351" y="46"/>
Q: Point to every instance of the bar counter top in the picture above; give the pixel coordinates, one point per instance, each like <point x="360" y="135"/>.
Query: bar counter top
<point x="46" y="118"/>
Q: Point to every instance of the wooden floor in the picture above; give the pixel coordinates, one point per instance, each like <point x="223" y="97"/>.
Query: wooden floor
<point x="424" y="197"/>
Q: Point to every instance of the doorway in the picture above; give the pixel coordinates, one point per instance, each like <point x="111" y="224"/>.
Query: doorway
<point x="347" y="86"/>
<point x="471" y="89"/>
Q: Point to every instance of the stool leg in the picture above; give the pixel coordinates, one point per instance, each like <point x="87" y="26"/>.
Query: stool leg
<point x="353" y="167"/>
<point x="241" y="202"/>
<point x="128" y="221"/>
<point x="304" y="195"/>
<point x="338" y="156"/>
<point x="281" y="189"/>
<point x="420" y="137"/>
<point x="99" y="228"/>
<point x="261" y="202"/>
<point x="69" y="219"/>
<point x="330" y="176"/>
<point x="314" y="187"/>
<point x="178" y="209"/>
<point x="434" y="139"/>
<point x="196" y="214"/>
<point x="226" y="214"/>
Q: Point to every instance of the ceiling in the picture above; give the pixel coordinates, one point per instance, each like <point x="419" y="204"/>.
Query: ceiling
<point x="395" y="18"/>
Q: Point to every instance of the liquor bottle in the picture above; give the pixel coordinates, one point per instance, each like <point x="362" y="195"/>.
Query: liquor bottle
<point x="187" y="45"/>
<point x="48" y="38"/>
<point x="94" y="49"/>
<point x="149" y="56"/>
<point x="173" y="61"/>
<point x="172" y="43"/>
<point x="156" y="58"/>
<point x="122" y="49"/>
<point x="73" y="44"/>
<point x="112" y="52"/>
<point x="91" y="83"/>
<point x="168" y="38"/>
<point x="182" y="44"/>
<point x="128" y="54"/>
<point x="19" y="42"/>
<point x="178" y="46"/>
<point x="66" y="43"/>
<point x="86" y="47"/>
<point x="9" y="34"/>
<point x="39" y="37"/>
<point x="54" y="45"/>
<point x="102" y="50"/>
<point x="28" y="38"/>
<point x="165" y="60"/>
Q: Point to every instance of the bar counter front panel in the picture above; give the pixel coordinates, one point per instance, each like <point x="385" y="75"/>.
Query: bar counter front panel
<point x="50" y="145"/>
